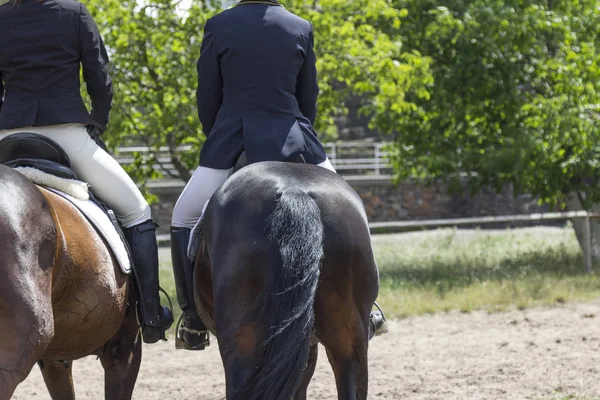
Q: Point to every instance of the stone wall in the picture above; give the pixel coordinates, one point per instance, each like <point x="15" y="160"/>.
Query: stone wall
<point x="385" y="201"/>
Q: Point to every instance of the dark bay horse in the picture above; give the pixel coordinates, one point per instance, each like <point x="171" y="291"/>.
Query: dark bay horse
<point x="62" y="295"/>
<point x="285" y="263"/>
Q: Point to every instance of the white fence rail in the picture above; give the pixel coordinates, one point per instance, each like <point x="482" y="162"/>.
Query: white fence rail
<point x="348" y="158"/>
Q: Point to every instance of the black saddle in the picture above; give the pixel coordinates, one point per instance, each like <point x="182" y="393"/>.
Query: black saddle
<point x="26" y="149"/>
<point x="242" y="161"/>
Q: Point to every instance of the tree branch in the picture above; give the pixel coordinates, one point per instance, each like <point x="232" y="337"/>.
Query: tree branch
<point x="145" y="140"/>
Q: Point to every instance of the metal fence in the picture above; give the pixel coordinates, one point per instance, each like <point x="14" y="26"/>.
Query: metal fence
<point x="415" y="225"/>
<point x="367" y="160"/>
<point x="350" y="159"/>
<point x="477" y="221"/>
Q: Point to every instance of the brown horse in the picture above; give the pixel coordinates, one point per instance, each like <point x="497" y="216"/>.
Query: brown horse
<point x="285" y="263"/>
<point x="62" y="295"/>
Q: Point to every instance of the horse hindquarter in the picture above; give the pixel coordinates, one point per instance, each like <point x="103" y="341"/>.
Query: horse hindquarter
<point x="89" y="289"/>
<point x="347" y="290"/>
<point x="264" y="336"/>
<point x="27" y="249"/>
<point x="90" y="299"/>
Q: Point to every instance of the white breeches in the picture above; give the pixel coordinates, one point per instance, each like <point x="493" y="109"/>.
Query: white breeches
<point x="107" y="179"/>
<point x="199" y="189"/>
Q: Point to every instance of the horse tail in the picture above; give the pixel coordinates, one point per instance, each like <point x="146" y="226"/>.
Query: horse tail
<point x="296" y="230"/>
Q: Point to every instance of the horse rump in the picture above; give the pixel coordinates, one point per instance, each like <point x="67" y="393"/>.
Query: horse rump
<point x="286" y="314"/>
<point x="27" y="245"/>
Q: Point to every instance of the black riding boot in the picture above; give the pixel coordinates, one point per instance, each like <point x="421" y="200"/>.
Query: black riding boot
<point x="192" y="334"/>
<point x="155" y="319"/>
<point x="378" y="323"/>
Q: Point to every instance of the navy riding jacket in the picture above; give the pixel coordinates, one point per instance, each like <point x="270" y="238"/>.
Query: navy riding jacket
<point x="42" y="46"/>
<point x="257" y="86"/>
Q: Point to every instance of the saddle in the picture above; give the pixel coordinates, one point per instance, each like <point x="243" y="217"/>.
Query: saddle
<point x="242" y="161"/>
<point x="30" y="152"/>
<point x="35" y="151"/>
<point x="196" y="233"/>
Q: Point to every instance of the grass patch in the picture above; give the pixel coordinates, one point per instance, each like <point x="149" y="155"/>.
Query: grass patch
<point x="168" y="283"/>
<point x="569" y="397"/>
<point x="466" y="270"/>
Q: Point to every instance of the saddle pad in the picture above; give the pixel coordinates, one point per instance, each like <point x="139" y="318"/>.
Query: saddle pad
<point x="196" y="236"/>
<point x="104" y="225"/>
<point x="74" y="188"/>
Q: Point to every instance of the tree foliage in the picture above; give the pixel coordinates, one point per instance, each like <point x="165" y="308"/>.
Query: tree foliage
<point x="154" y="47"/>
<point x="515" y="97"/>
<point x="504" y="90"/>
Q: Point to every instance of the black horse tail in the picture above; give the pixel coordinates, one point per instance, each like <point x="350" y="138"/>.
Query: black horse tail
<point x="296" y="230"/>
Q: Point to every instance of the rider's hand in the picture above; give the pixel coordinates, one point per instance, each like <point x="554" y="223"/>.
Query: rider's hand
<point x="95" y="132"/>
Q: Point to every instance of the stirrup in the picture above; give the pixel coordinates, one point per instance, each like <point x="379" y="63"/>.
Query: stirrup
<point x="140" y="319"/>
<point x="181" y="344"/>
<point x="378" y="322"/>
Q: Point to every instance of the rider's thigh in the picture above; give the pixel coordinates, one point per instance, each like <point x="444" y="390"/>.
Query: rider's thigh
<point x="107" y="179"/>
<point x="191" y="203"/>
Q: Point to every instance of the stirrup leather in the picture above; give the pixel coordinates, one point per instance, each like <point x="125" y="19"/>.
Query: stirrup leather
<point x="181" y="344"/>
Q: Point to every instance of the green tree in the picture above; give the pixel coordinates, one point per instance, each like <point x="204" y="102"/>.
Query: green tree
<point x="154" y="48"/>
<point x="515" y="99"/>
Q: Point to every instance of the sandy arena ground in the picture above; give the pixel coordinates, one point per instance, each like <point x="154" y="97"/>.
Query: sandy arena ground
<point x="543" y="353"/>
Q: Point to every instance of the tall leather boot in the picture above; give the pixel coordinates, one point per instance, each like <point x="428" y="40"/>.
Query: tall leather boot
<point x="379" y="325"/>
<point x="155" y="319"/>
<point x="192" y="334"/>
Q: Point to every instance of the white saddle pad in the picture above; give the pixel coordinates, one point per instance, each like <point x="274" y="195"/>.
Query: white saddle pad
<point x="104" y="225"/>
<point x="76" y="192"/>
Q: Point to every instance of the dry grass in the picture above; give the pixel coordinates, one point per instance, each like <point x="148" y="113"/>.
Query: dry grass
<point x="442" y="270"/>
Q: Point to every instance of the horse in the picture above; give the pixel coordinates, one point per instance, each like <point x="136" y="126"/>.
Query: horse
<point x="284" y="263"/>
<point x="62" y="294"/>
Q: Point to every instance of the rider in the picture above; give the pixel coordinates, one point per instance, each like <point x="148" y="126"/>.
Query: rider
<point x="257" y="92"/>
<point x="42" y="44"/>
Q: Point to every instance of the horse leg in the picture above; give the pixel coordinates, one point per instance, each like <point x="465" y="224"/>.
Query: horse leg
<point x="26" y="318"/>
<point x="342" y="325"/>
<point x="350" y="367"/>
<point x="59" y="379"/>
<point x="10" y="378"/>
<point x="23" y="339"/>
<point x="121" y="358"/>
<point x="237" y="371"/>
<point x="308" y="373"/>
<point x="27" y="247"/>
